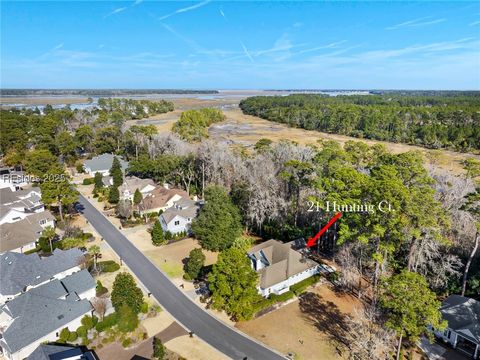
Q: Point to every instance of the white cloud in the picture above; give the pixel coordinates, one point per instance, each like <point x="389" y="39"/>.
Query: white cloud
<point x="416" y="23"/>
<point x="185" y="9"/>
<point x="116" y="11"/>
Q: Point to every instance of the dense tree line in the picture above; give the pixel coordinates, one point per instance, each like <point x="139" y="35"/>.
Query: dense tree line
<point x="430" y="121"/>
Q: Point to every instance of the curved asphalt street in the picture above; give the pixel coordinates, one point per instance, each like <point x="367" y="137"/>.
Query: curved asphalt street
<point x="185" y="311"/>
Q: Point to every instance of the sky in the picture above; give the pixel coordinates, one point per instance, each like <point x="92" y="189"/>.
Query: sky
<point x="240" y="45"/>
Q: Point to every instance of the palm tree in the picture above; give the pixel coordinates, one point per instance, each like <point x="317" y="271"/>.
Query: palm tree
<point x="95" y="252"/>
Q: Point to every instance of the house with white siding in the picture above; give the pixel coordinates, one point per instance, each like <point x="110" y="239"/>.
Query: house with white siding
<point x="463" y="329"/>
<point x="102" y="164"/>
<point x="21" y="273"/>
<point x="38" y="315"/>
<point x="179" y="217"/>
<point x="280" y="266"/>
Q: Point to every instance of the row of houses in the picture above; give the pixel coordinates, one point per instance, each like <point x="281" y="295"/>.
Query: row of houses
<point x="38" y="298"/>
<point x="175" y="208"/>
<point x="23" y="218"/>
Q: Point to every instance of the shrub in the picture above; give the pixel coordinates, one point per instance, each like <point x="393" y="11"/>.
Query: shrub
<point x="158" y="349"/>
<point x="127" y="319"/>
<point x="108" y="266"/>
<point x="79" y="168"/>
<point x="127" y="342"/>
<point x="100" y="290"/>
<point x="82" y="331"/>
<point x="158" y="237"/>
<point x="126" y="292"/>
<point x="283" y="297"/>
<point x="89" y="321"/>
<point x="88" y="181"/>
<point x="64" y="334"/>
<point x="300" y="287"/>
<point x="144" y="308"/>
<point x="72" y="336"/>
<point x="107" y="322"/>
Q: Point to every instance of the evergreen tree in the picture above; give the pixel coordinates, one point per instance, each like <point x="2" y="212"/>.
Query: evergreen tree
<point x="126" y="292"/>
<point x="410" y="306"/>
<point x="219" y="222"/>
<point x="159" y="350"/>
<point x="137" y="198"/>
<point x="57" y="189"/>
<point x="194" y="264"/>
<point x="233" y="284"/>
<point x="116" y="172"/>
<point x="158" y="237"/>
<point x="97" y="180"/>
<point x="113" y="195"/>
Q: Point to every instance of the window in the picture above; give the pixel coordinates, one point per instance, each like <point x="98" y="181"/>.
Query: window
<point x="43" y="221"/>
<point x="177" y="222"/>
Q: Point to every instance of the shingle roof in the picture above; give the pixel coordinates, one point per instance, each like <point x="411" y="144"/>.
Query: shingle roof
<point x="45" y="352"/>
<point x="22" y="232"/>
<point x="132" y="183"/>
<point x="463" y="316"/>
<point x="7" y="196"/>
<point x="159" y="197"/>
<point x="20" y="270"/>
<point x="79" y="282"/>
<point x="104" y="162"/>
<point x="185" y="208"/>
<point x="280" y="261"/>
<point x="40" y="311"/>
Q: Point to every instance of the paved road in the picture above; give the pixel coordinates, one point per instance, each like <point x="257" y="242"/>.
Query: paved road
<point x="184" y="310"/>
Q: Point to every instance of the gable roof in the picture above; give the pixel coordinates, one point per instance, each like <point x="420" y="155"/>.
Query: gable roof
<point x="7" y="196"/>
<point x="40" y="311"/>
<point x="104" y="162"/>
<point x="22" y="232"/>
<point x="280" y="262"/>
<point x="20" y="270"/>
<point x="159" y="197"/>
<point x="184" y="208"/>
<point x="463" y="316"/>
<point x="132" y="183"/>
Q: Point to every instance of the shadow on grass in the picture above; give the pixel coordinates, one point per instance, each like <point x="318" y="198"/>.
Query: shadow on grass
<point x="325" y="316"/>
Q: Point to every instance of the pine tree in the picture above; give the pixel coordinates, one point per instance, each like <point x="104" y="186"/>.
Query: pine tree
<point x="158" y="237"/>
<point x="97" y="181"/>
<point x="113" y="195"/>
<point x="126" y="292"/>
<point x="116" y="172"/>
<point x="219" y="222"/>
<point x="137" y="198"/>
<point x="233" y="284"/>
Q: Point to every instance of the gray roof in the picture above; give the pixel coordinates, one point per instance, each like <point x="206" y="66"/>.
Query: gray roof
<point x="22" y="232"/>
<point x="463" y="316"/>
<point x="7" y="196"/>
<point x="280" y="262"/>
<point x="104" y="162"/>
<point x="79" y="282"/>
<point x="184" y="207"/>
<point x="39" y="312"/>
<point x="45" y="352"/>
<point x="20" y="270"/>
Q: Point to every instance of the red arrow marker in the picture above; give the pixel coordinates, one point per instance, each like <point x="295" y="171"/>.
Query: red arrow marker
<point x="314" y="239"/>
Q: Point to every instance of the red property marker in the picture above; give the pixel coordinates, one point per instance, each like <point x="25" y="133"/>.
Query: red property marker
<point x="314" y="239"/>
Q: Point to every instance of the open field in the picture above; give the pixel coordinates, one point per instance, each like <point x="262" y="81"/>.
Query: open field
<point x="314" y="323"/>
<point x="42" y="100"/>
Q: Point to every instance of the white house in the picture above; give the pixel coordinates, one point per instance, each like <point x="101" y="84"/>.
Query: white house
<point x="21" y="272"/>
<point x="22" y="235"/>
<point x="17" y="205"/>
<point x="102" y="164"/>
<point x="463" y="331"/>
<point x="160" y="199"/>
<point x="280" y="266"/>
<point x="12" y="179"/>
<point x="179" y="217"/>
<point x="131" y="184"/>
<point x="38" y="315"/>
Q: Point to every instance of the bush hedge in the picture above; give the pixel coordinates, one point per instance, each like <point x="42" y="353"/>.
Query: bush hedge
<point x="89" y="321"/>
<point x="107" y="322"/>
<point x="144" y="308"/>
<point x="72" y="336"/>
<point x="300" y="287"/>
<point x="88" y="181"/>
<point x="271" y="300"/>
<point x="108" y="266"/>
